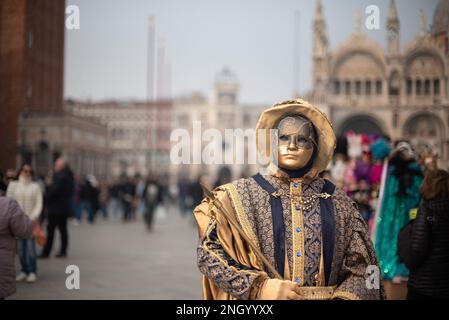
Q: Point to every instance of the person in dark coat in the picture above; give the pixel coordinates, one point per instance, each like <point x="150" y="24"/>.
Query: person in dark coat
<point x="429" y="278"/>
<point x="196" y="190"/>
<point x="152" y="196"/>
<point x="14" y="223"/>
<point x="114" y="200"/>
<point x="224" y="176"/>
<point x="89" y="197"/>
<point x="183" y="189"/>
<point x="128" y="192"/>
<point x="58" y="203"/>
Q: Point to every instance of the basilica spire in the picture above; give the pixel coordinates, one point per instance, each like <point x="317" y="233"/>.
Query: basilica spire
<point x="320" y="51"/>
<point x="319" y="11"/>
<point x="422" y="23"/>
<point x="393" y="29"/>
<point x="320" y="40"/>
<point x="358" y="21"/>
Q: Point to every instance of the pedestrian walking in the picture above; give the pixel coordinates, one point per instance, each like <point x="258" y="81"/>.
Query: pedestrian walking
<point x="152" y="198"/>
<point x="58" y="203"/>
<point x="114" y="200"/>
<point x="28" y="195"/>
<point x="128" y="192"/>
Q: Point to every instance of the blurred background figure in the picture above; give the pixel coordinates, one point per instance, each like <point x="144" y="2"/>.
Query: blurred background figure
<point x="103" y="199"/>
<point x="114" y="200"/>
<point x="428" y="159"/>
<point x="14" y="223"/>
<point x="95" y="196"/>
<point x="184" y="195"/>
<point x="163" y="181"/>
<point x="58" y="204"/>
<point x="224" y="176"/>
<point x="139" y="201"/>
<point x="152" y="197"/>
<point x="128" y="191"/>
<point x="89" y="194"/>
<point x="362" y="195"/>
<point x="85" y="195"/>
<point x="338" y="170"/>
<point x="28" y="195"/>
<point x="77" y="207"/>
<point x="429" y="241"/>
<point x="197" y="190"/>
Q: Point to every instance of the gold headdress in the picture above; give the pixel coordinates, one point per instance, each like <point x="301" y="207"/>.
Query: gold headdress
<point x="326" y="140"/>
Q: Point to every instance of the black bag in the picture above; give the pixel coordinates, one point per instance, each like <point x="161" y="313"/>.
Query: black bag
<point x="411" y="259"/>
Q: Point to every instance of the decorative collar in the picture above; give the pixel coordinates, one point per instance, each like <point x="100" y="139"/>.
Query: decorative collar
<point x="281" y="174"/>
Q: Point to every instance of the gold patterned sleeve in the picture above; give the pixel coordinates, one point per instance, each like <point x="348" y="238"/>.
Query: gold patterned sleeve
<point x="219" y="261"/>
<point x="359" y="277"/>
<point x="229" y="275"/>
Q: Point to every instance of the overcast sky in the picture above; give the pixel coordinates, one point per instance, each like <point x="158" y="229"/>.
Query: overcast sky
<point x="107" y="57"/>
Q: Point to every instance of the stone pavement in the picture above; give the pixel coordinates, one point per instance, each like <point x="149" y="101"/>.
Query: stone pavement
<point x="123" y="261"/>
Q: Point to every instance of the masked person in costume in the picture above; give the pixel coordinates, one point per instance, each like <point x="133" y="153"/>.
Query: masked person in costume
<point x="310" y="232"/>
<point x="401" y="194"/>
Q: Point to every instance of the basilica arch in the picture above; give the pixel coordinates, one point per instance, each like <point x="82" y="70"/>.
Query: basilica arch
<point x="425" y="131"/>
<point x="361" y="123"/>
<point x="425" y="60"/>
<point x="357" y="62"/>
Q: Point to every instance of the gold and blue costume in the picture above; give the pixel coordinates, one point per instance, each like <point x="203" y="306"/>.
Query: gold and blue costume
<point x="309" y="230"/>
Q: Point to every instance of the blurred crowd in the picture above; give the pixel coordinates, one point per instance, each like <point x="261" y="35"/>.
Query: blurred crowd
<point x="53" y="201"/>
<point x="29" y="202"/>
<point x="404" y="198"/>
<point x="360" y="167"/>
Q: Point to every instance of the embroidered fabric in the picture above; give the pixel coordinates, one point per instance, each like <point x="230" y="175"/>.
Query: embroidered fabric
<point x="229" y="275"/>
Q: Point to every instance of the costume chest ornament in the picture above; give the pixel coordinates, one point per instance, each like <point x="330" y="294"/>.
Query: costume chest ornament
<point x="307" y="200"/>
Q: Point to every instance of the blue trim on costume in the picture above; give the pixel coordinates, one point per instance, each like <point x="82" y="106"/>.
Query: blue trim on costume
<point x="327" y="228"/>
<point x="277" y="214"/>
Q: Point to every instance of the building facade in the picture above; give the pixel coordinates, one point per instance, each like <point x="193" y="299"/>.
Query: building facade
<point x="83" y="142"/>
<point x="400" y="92"/>
<point x="138" y="134"/>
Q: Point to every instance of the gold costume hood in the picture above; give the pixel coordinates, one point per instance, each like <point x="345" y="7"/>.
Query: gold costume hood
<point x="326" y="136"/>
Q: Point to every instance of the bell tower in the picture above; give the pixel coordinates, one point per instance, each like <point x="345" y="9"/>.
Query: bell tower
<point x="226" y="88"/>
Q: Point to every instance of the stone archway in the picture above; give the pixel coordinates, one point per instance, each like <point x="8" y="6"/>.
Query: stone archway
<point x="361" y="124"/>
<point x="425" y="131"/>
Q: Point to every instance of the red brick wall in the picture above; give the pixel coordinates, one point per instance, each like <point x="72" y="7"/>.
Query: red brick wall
<point x="31" y="76"/>
<point x="12" y="42"/>
<point x="45" y="59"/>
